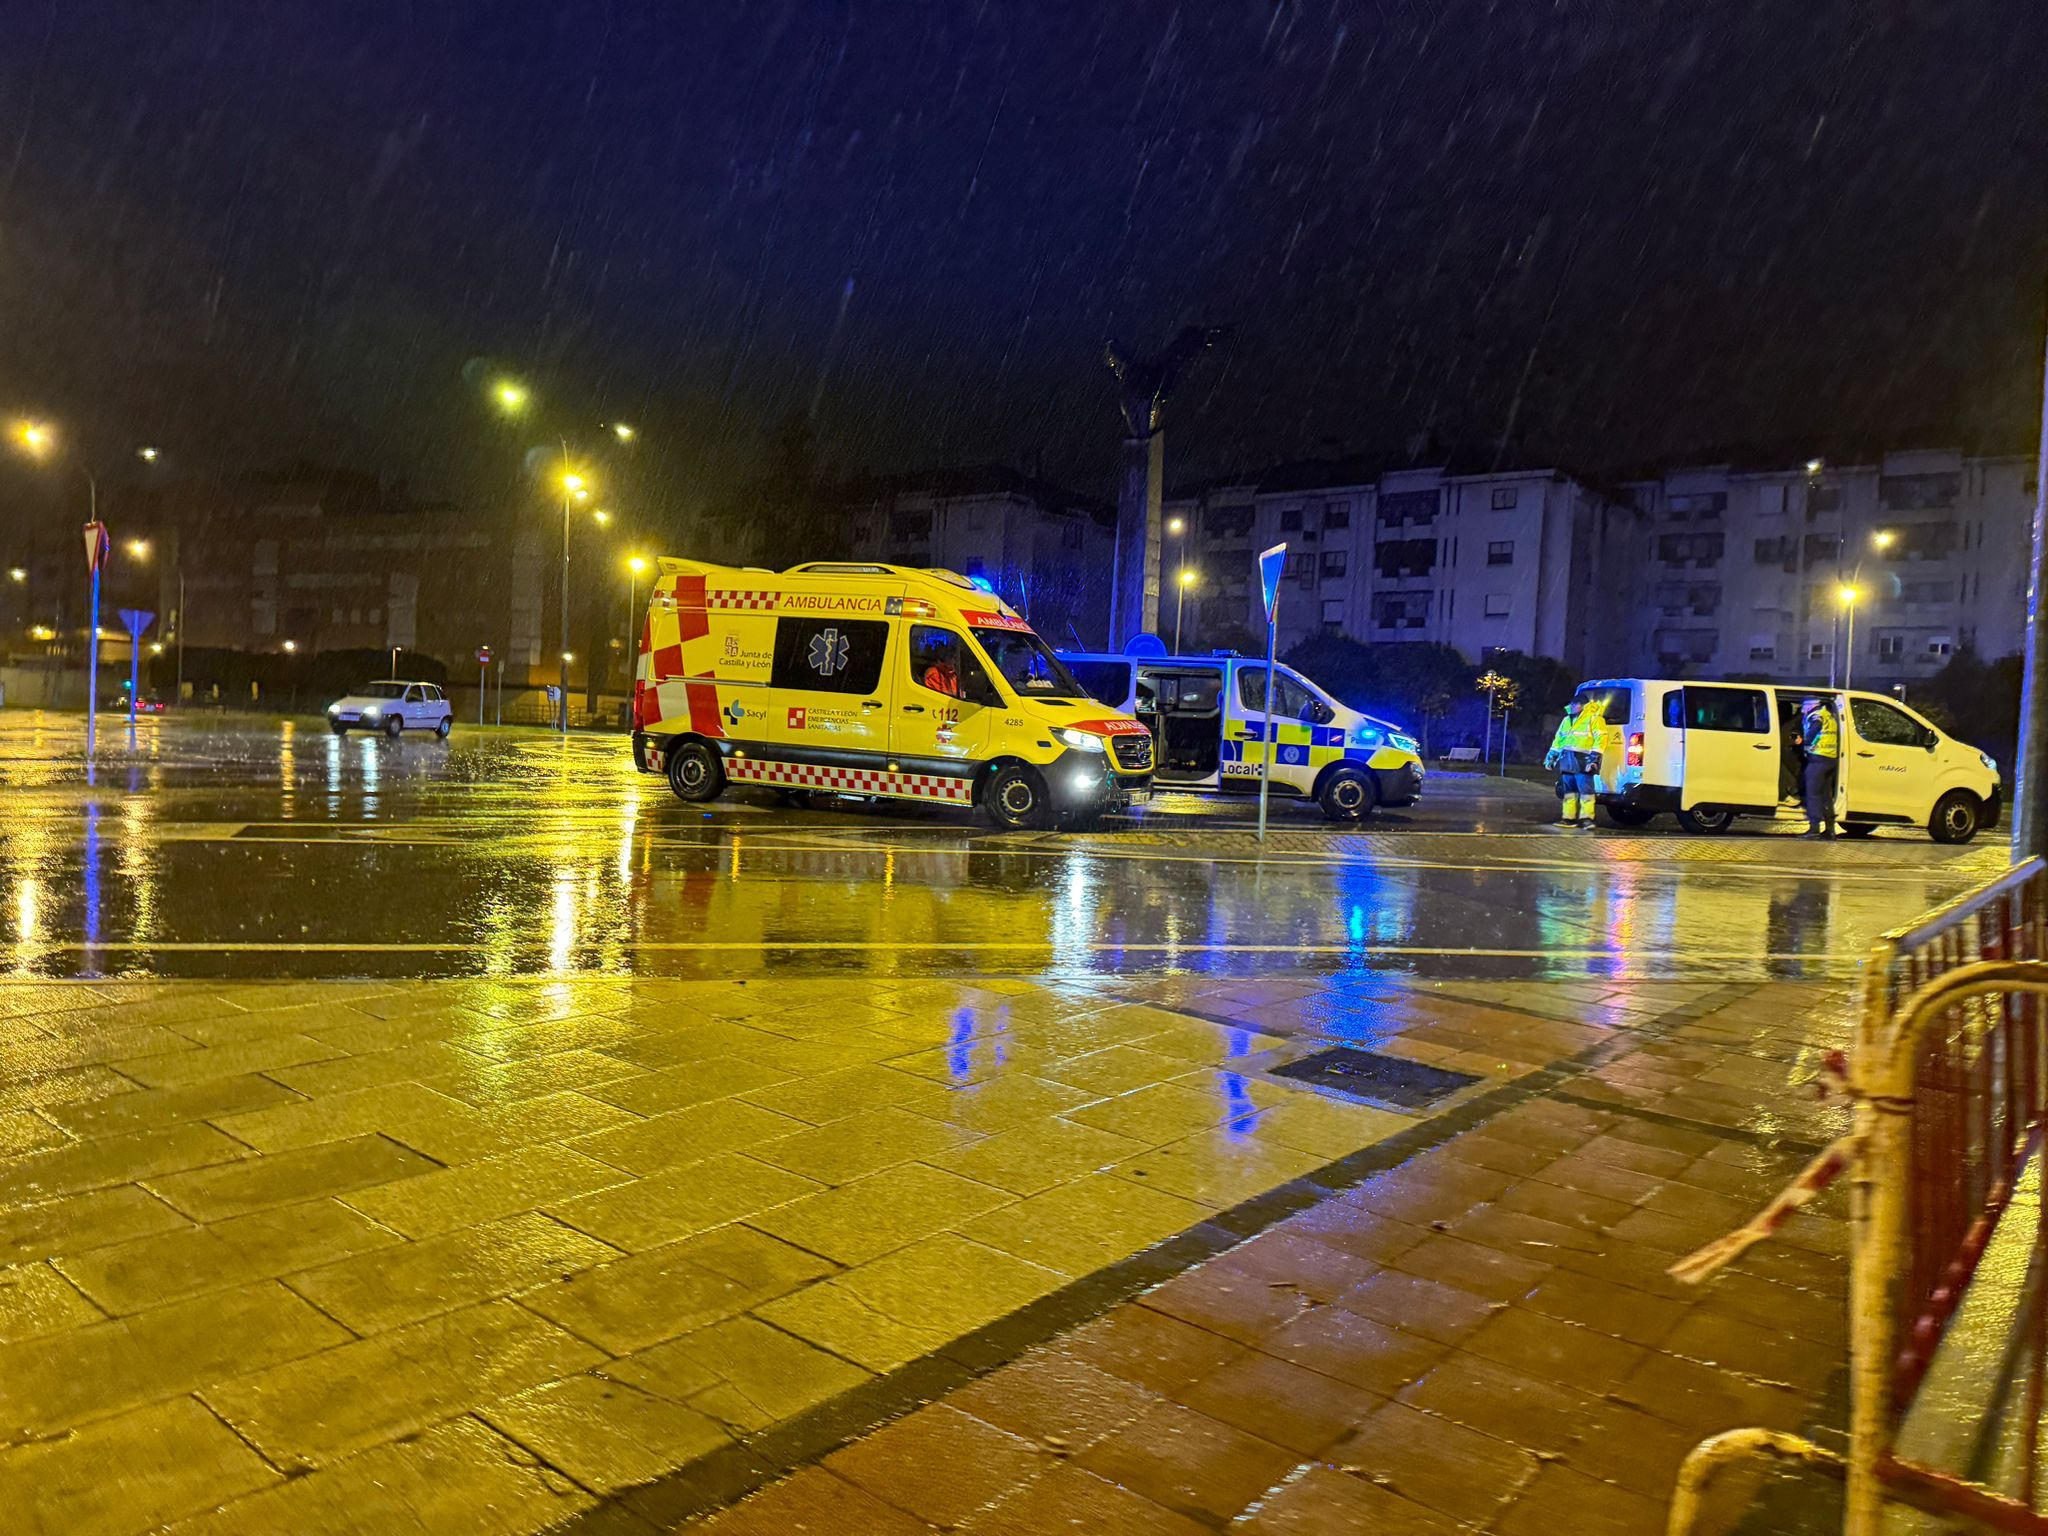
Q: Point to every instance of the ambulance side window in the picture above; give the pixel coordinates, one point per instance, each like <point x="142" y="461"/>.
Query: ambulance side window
<point x="830" y="655"/>
<point x="941" y="662"/>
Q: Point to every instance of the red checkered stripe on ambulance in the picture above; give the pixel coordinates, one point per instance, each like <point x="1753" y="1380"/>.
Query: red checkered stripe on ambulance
<point x="852" y="781"/>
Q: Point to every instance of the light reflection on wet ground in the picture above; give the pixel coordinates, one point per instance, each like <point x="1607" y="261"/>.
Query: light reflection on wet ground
<point x="272" y="848"/>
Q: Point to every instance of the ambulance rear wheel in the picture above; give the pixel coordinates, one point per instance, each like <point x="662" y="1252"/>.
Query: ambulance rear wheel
<point x="1016" y="798"/>
<point x="1346" y="795"/>
<point x="694" y="771"/>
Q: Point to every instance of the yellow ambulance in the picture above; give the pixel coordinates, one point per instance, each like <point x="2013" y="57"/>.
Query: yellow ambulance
<point x="855" y="679"/>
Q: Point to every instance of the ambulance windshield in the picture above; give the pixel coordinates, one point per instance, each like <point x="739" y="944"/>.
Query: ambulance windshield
<point x="1032" y="670"/>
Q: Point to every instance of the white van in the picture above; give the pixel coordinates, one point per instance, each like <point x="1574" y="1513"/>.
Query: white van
<point x="1207" y="715"/>
<point x="1711" y="752"/>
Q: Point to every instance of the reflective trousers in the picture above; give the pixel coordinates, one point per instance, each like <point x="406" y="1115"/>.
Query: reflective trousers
<point x="1579" y="789"/>
<point x="1820" y="792"/>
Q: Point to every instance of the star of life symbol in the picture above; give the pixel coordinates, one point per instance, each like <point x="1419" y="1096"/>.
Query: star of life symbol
<point x="828" y="652"/>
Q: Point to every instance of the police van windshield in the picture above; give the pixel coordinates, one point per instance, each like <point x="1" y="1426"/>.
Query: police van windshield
<point x="1031" y="668"/>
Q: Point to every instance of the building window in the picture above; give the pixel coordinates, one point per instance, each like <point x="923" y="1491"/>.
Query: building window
<point x="1405" y="557"/>
<point x="1823" y="498"/>
<point x="1504" y="498"/>
<point x="1334" y="561"/>
<point x="1704" y="505"/>
<point x="1779" y="551"/>
<point x="1891" y="647"/>
<point x="1337" y="515"/>
<point x="1941" y="645"/>
<point x="1770" y="501"/>
<point x="1822" y="550"/>
<point x="1290" y="519"/>
<point x="911" y="527"/>
<point x="1398" y="508"/>
<point x="1685" y="644"/>
<point x="1400" y="610"/>
<point x="1496" y="605"/>
<point x="1333" y="615"/>
<point x="1500" y="552"/>
<point x="1763" y="653"/>
<point x="1820" y="650"/>
<point x="1919" y="493"/>
<point x="1699" y="548"/>
<point x="1299" y="567"/>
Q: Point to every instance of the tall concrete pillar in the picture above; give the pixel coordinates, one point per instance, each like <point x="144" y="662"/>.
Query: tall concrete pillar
<point x="1134" y="606"/>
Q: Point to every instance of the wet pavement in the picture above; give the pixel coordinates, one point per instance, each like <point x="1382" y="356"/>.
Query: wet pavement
<point x="263" y="848"/>
<point x="407" y="1136"/>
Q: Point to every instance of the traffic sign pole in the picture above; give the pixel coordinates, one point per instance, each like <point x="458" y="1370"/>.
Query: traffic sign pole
<point x="483" y="679"/>
<point x="96" y="545"/>
<point x="1271" y="563"/>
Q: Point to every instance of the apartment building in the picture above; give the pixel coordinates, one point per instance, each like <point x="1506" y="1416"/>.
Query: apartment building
<point x="1754" y="571"/>
<point x="1526" y="559"/>
<point x="1046" y="551"/>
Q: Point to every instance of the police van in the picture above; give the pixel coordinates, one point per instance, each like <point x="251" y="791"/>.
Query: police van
<point x="1207" y="719"/>
<point x="1710" y="752"/>
<point x="871" y="680"/>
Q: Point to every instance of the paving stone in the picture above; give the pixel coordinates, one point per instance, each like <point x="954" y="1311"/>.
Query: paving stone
<point x="1235" y="1305"/>
<point x="1286" y="1260"/>
<point x="741" y="1372"/>
<point x="814" y="1503"/>
<point x="461" y="1478"/>
<point x="129" y="1473"/>
<point x="884" y="1211"/>
<point x="685" y="1136"/>
<point x="940" y="1464"/>
<point x="1034" y="1158"/>
<point x="1078" y="1228"/>
<point x="1185" y="1461"/>
<point x="862" y="1144"/>
<point x="1427" y="1308"/>
<point x="1442" y="1466"/>
<point x="1561" y="1496"/>
<point x="1054" y="1401"/>
<point x="79" y="1222"/>
<point x="1512" y="1405"/>
<point x="447" y="1198"/>
<point x="1619" y="1310"/>
<point x="1070" y="1498"/>
<point x="1320" y="1501"/>
<point x="288" y="1178"/>
<point x="55" y="1381"/>
<point x="153" y="1109"/>
<point x="36" y="1299"/>
<point x="1354" y="1349"/>
<point x="192" y="1260"/>
<point x="1289" y="1405"/>
<point x="603" y="1432"/>
<point x="682" y="1201"/>
<point x="313" y="1411"/>
<point x="1473" y="1267"/>
<point x="1556" y="1350"/>
<point x="1150" y="1349"/>
<point x="103" y="1161"/>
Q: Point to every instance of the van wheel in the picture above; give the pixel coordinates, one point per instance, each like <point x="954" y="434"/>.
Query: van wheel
<point x="1858" y="828"/>
<point x="1706" y="818"/>
<point x="1016" y="798"/>
<point x="695" y="772"/>
<point x="1628" y="815"/>
<point x="1347" y="795"/>
<point x="1955" y="817"/>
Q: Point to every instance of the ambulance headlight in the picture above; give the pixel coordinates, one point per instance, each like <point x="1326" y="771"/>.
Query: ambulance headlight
<point x="1080" y="741"/>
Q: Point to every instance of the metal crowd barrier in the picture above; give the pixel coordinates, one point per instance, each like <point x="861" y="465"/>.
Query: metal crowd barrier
<point x="1947" y="1079"/>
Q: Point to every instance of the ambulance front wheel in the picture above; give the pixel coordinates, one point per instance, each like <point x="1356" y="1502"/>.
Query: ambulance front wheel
<point x="1346" y="795"/>
<point x="694" y="771"/>
<point x="1015" y="798"/>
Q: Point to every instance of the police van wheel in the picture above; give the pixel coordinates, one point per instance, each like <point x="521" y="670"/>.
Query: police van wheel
<point x="1858" y="828"/>
<point x="694" y="771"/>
<point x="1346" y="795"/>
<point x="1015" y="798"/>
<point x="1955" y="817"/>
<point x="1706" y="818"/>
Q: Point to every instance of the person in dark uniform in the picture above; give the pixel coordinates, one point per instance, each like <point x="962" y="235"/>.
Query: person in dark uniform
<point x="1820" y="738"/>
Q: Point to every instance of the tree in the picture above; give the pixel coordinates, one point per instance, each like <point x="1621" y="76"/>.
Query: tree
<point x="1977" y="701"/>
<point x="1404" y="681"/>
<point x="1542" y="684"/>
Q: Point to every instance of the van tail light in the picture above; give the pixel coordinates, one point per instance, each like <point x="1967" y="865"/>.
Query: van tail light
<point x="643" y="701"/>
<point x="1635" y="749"/>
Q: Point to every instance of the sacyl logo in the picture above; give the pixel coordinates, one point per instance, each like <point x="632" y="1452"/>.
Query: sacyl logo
<point x="828" y="652"/>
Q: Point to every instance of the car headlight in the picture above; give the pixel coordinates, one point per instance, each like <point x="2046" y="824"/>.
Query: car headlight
<point x="334" y="709"/>
<point x="1988" y="761"/>
<point x="372" y="712"/>
<point x="1405" y="742"/>
<point x="1080" y="741"/>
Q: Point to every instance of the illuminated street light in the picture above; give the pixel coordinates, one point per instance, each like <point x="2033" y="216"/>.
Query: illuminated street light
<point x="636" y="565"/>
<point x="1848" y="597"/>
<point x="138" y="549"/>
<point x="156" y="647"/>
<point x="1884" y="538"/>
<point x="568" y="656"/>
<point x="35" y="437"/>
<point x="603" y="517"/>
<point x="147" y="455"/>
<point x="42" y="632"/>
<point x="1185" y="580"/>
<point x="510" y="395"/>
<point x="622" y="432"/>
<point x="1814" y="466"/>
<point x="17" y="573"/>
<point x="291" y="647"/>
<point x="1176" y="524"/>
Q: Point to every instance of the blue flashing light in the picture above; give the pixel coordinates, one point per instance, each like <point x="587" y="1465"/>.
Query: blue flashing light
<point x="1368" y="736"/>
<point x="983" y="583"/>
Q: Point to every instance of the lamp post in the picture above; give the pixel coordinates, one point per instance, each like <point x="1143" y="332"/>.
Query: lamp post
<point x="1186" y="579"/>
<point x="635" y="564"/>
<point x="1849" y="596"/>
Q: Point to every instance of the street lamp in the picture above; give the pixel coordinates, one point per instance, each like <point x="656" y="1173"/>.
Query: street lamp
<point x="622" y="432"/>
<point x="510" y="395"/>
<point x="290" y="647"/>
<point x="17" y="573"/>
<point x="601" y="517"/>
<point x="138" y="549"/>
<point x="35" y="437"/>
<point x="147" y="455"/>
<point x="1849" y="596"/>
<point x="635" y="565"/>
<point x="1883" y="539"/>
<point x="1180" y="602"/>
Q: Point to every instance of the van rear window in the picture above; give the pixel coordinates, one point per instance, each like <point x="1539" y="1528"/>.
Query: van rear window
<point x="1616" y="704"/>
<point x="1107" y="682"/>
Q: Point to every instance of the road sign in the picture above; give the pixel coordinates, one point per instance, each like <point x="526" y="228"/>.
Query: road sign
<point x="483" y="655"/>
<point x="97" y="545"/>
<point x="136" y="621"/>
<point x="1271" y="563"/>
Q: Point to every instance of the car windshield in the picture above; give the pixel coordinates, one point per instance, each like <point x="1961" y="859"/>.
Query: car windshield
<point x="381" y="691"/>
<point x="1032" y="669"/>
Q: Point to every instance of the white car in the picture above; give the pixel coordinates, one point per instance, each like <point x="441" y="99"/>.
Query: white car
<point x="393" y="707"/>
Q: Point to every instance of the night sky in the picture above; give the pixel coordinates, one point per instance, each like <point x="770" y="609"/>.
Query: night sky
<point x="1601" y="232"/>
